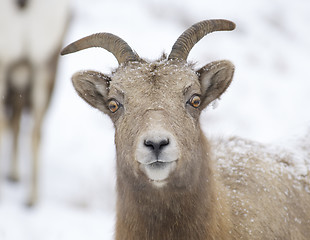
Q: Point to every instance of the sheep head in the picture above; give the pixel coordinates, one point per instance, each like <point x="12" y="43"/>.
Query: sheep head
<point x="155" y="106"/>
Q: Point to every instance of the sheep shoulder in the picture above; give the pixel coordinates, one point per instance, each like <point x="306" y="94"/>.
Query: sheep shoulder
<point x="268" y="189"/>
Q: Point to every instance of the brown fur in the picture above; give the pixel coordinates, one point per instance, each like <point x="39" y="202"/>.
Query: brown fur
<point x="268" y="196"/>
<point x="233" y="189"/>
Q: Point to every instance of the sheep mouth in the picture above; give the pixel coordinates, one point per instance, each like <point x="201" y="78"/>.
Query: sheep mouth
<point x="158" y="171"/>
<point x="158" y="164"/>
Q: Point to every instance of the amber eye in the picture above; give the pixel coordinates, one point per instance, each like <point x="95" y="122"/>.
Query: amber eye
<point x="195" y="101"/>
<point x="113" y="106"/>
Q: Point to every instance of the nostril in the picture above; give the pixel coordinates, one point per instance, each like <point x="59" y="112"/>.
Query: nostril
<point x="156" y="146"/>
<point x="163" y="143"/>
<point x="149" y="144"/>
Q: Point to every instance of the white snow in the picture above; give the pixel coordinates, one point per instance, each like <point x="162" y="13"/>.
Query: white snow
<point x="267" y="101"/>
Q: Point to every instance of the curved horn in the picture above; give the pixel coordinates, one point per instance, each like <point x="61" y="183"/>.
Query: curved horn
<point x="192" y="35"/>
<point x="114" y="44"/>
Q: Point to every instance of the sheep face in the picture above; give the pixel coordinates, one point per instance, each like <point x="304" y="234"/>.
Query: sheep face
<point x="155" y="108"/>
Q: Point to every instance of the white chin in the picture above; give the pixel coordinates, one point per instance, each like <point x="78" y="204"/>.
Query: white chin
<point x="158" y="172"/>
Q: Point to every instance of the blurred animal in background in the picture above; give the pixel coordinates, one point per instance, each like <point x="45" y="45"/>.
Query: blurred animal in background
<point x="172" y="182"/>
<point x="32" y="32"/>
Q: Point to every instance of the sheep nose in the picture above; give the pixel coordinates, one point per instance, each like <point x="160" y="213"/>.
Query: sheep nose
<point x="156" y="147"/>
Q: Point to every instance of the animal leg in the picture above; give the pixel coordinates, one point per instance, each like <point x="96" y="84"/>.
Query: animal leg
<point x="15" y="126"/>
<point x="36" y="137"/>
<point x="2" y="101"/>
<point x="39" y="101"/>
<point x="2" y="105"/>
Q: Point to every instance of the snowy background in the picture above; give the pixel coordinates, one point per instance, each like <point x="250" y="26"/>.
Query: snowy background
<point x="268" y="101"/>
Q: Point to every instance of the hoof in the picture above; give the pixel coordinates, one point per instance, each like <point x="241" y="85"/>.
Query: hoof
<point x="32" y="201"/>
<point x="13" y="178"/>
<point x="30" y="204"/>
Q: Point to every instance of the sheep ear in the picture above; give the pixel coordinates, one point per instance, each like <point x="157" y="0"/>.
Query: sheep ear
<point x="93" y="88"/>
<point x="215" y="78"/>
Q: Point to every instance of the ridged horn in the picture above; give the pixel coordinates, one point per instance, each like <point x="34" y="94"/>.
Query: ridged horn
<point x="192" y="35"/>
<point x="114" y="44"/>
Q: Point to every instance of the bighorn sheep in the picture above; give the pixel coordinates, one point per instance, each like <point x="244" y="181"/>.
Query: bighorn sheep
<point x="170" y="184"/>
<point x="32" y="32"/>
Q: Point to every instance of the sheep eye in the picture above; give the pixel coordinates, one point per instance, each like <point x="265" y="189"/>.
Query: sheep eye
<point x="113" y="106"/>
<point x="195" y="101"/>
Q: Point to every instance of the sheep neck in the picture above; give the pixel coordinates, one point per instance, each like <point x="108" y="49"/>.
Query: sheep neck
<point x="191" y="212"/>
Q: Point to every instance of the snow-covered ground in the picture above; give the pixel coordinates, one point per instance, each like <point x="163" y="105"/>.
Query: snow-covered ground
<point x="267" y="101"/>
